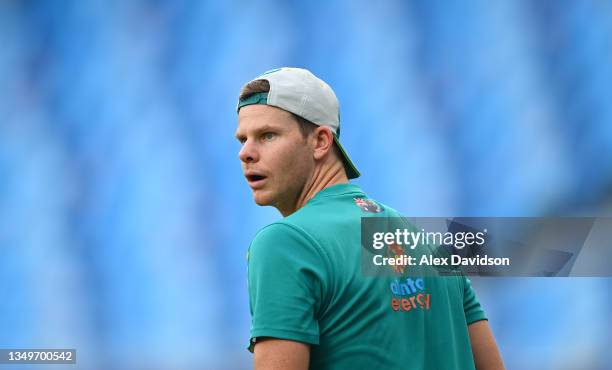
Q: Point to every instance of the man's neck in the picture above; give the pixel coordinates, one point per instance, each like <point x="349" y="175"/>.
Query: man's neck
<point x="323" y="177"/>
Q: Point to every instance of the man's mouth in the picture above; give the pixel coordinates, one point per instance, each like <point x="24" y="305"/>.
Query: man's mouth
<point x="255" y="180"/>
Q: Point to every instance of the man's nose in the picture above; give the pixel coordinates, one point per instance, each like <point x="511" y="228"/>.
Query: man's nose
<point x="248" y="153"/>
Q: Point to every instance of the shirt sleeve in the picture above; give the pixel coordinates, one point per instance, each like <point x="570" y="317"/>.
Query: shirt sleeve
<point x="285" y="276"/>
<point x="471" y="306"/>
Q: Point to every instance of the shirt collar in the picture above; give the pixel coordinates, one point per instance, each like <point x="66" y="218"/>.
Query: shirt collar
<point x="338" y="189"/>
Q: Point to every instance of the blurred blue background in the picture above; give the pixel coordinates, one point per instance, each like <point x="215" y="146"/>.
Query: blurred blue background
<point x="124" y="216"/>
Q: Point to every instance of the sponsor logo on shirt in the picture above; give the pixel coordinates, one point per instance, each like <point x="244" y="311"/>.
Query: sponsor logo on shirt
<point x="395" y="251"/>
<point x="409" y="294"/>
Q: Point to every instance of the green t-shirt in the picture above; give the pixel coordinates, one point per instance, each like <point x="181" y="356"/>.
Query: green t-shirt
<point x="306" y="284"/>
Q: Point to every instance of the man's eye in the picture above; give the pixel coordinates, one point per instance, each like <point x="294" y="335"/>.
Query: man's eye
<point x="269" y="136"/>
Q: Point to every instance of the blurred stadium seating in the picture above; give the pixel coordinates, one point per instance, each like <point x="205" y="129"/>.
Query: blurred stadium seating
<point x="124" y="217"/>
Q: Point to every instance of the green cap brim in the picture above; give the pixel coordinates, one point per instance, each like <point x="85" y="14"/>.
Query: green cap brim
<point x="351" y="170"/>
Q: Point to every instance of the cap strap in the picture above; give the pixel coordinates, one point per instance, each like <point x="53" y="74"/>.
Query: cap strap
<point x="257" y="98"/>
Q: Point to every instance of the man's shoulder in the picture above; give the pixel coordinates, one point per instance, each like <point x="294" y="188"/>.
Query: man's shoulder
<point x="280" y="228"/>
<point x="324" y="218"/>
<point x="284" y="242"/>
<point x="282" y="234"/>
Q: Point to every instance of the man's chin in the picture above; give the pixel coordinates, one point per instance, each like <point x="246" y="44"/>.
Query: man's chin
<point x="262" y="199"/>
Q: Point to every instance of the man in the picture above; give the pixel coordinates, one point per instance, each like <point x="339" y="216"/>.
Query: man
<point x="311" y="305"/>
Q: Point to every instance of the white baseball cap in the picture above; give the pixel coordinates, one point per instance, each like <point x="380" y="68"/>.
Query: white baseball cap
<point x="300" y="92"/>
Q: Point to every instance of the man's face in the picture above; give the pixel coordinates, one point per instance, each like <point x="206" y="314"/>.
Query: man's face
<point x="276" y="159"/>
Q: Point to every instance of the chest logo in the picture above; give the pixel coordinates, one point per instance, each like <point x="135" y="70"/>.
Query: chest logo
<point x="367" y="205"/>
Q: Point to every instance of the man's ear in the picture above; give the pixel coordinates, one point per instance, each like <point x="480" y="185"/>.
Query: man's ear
<point x="323" y="142"/>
